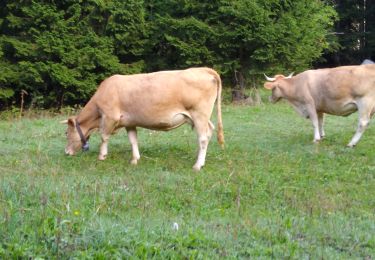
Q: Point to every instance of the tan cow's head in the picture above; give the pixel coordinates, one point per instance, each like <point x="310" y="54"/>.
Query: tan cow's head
<point x="277" y="85"/>
<point x="74" y="140"/>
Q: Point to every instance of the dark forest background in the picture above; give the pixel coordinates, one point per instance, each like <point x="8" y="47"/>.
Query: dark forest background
<point x="55" y="53"/>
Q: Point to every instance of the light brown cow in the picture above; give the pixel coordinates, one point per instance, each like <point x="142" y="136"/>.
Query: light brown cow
<point x="338" y="91"/>
<point x="160" y="101"/>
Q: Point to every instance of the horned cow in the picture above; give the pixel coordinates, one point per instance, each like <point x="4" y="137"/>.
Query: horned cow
<point x="337" y="91"/>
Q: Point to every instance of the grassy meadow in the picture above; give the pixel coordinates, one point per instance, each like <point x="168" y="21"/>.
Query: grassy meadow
<point x="271" y="193"/>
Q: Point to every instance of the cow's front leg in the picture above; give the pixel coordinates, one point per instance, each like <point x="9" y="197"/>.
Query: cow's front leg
<point x="106" y="128"/>
<point x="315" y="122"/>
<point x="132" y="135"/>
<point x="103" y="147"/>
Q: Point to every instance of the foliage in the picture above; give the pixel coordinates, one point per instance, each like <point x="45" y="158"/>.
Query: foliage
<point x="355" y="32"/>
<point x="294" y="33"/>
<point x="271" y="193"/>
<point x="248" y="36"/>
<point x="59" y="51"/>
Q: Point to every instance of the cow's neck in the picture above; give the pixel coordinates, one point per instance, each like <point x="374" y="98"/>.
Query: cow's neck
<point x="290" y="91"/>
<point x="88" y="118"/>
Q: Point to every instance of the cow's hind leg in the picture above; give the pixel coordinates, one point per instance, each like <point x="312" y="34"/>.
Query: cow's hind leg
<point x="321" y="124"/>
<point x="364" y="111"/>
<point x="107" y="126"/>
<point x="211" y="129"/>
<point x="204" y="129"/>
<point x="132" y="135"/>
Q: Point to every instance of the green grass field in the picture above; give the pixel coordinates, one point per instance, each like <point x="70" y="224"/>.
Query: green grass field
<point x="271" y="193"/>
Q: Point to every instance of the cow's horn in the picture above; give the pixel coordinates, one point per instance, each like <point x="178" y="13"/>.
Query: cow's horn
<point x="64" y="122"/>
<point x="290" y="75"/>
<point x="268" y="78"/>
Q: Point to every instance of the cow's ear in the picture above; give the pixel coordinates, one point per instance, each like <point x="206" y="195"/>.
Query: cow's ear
<point x="269" y="85"/>
<point x="71" y="121"/>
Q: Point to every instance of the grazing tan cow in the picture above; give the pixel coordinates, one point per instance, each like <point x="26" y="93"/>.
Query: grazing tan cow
<point x="338" y="91"/>
<point x="160" y="101"/>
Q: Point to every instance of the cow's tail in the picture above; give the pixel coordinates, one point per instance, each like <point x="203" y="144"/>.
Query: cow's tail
<point x="220" y="129"/>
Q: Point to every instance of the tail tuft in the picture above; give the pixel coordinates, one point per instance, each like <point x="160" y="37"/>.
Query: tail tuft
<point x="220" y="137"/>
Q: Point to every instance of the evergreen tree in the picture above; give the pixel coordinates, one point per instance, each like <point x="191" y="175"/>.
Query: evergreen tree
<point x="355" y="32"/>
<point x="239" y="37"/>
<point x="59" y="52"/>
<point x="179" y="35"/>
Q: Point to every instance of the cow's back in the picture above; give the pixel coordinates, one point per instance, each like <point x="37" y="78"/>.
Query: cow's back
<point x="141" y="98"/>
<point x="334" y="90"/>
<point x="340" y="82"/>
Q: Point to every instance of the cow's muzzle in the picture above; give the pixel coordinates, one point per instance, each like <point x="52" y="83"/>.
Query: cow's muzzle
<point x="273" y="100"/>
<point x="69" y="152"/>
<point x="85" y="147"/>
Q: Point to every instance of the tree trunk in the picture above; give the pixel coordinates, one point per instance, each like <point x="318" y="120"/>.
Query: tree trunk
<point x="238" y="90"/>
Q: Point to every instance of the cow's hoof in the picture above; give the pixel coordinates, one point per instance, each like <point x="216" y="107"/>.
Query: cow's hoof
<point x="102" y="157"/>
<point x="133" y="161"/>
<point x="316" y="141"/>
<point x="197" y="168"/>
<point x="350" y="145"/>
